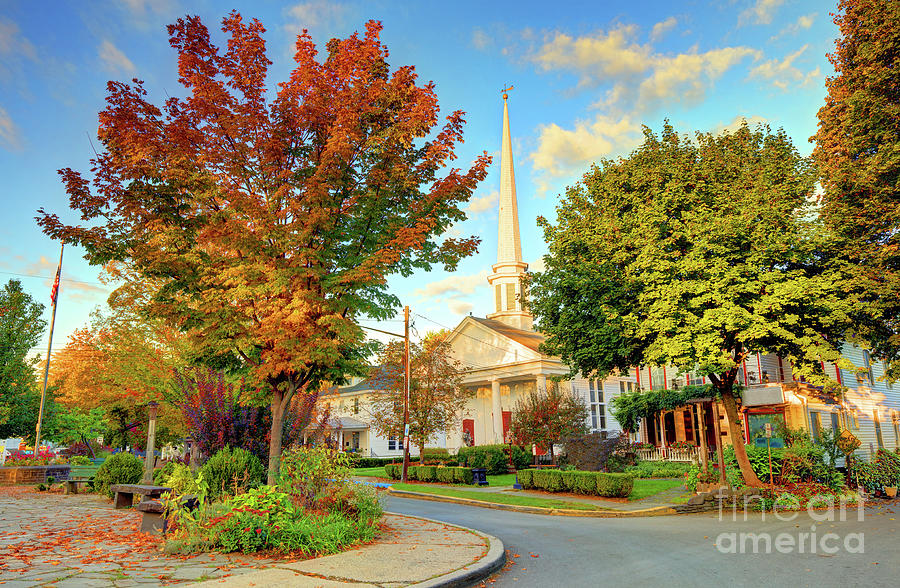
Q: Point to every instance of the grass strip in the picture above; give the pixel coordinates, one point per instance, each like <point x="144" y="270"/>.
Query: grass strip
<point x="376" y="472"/>
<point x="646" y="487"/>
<point x="496" y="497"/>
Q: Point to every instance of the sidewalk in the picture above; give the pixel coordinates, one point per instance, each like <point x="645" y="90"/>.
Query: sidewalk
<point x="413" y="551"/>
<point x="81" y="541"/>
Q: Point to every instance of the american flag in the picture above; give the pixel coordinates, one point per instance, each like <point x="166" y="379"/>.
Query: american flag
<point x="55" y="289"/>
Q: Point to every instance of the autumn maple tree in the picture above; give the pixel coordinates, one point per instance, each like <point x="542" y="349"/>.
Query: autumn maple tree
<point x="436" y="393"/>
<point x="857" y="152"/>
<point x="273" y="217"/>
<point x="544" y="417"/>
<point x="693" y="252"/>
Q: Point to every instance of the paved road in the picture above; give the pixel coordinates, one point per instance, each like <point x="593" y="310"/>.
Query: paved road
<point x="682" y="551"/>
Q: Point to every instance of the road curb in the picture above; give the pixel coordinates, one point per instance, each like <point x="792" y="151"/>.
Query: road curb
<point x="600" y="514"/>
<point x="469" y="574"/>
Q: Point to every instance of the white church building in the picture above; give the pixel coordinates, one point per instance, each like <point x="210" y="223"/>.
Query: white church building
<point x="501" y="351"/>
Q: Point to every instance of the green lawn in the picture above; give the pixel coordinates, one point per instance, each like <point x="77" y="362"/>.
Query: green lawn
<point x="496" y="497"/>
<point x="646" y="487"/>
<point x="377" y="472"/>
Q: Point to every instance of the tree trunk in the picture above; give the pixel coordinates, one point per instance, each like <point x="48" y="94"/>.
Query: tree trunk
<point x="275" y="437"/>
<point x="737" y="437"/>
<point x="552" y="457"/>
<point x="280" y="401"/>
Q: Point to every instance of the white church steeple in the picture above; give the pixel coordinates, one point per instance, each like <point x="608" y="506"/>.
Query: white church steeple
<point x="506" y="279"/>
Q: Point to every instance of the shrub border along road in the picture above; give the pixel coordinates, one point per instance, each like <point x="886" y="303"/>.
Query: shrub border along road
<point x="604" y="514"/>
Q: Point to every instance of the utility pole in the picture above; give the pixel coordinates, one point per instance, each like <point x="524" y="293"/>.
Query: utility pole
<point x="405" y="393"/>
<point x="54" y="295"/>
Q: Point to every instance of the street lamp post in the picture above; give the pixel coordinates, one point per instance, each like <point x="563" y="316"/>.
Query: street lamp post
<point x="149" y="459"/>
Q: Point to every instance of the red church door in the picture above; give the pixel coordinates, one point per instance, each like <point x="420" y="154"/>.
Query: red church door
<point x="468" y="427"/>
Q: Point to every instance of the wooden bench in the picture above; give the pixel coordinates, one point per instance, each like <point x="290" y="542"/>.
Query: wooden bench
<point x="125" y="493"/>
<point x="79" y="474"/>
<point x="154" y="517"/>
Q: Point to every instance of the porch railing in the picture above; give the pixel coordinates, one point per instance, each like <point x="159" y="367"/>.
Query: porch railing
<point x="670" y="454"/>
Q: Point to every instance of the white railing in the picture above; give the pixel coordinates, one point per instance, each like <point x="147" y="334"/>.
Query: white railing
<point x="669" y="454"/>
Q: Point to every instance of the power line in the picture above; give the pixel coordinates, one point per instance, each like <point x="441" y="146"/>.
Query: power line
<point x="53" y="277"/>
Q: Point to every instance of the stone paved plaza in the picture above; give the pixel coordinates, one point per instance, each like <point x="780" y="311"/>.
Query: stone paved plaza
<point x="80" y="540"/>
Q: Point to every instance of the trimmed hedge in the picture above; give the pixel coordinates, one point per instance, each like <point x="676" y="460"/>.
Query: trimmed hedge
<point x="494" y="458"/>
<point x="426" y="473"/>
<point x="119" y="468"/>
<point x="592" y="483"/>
<point x="661" y="469"/>
<point x="525" y="478"/>
<point x="374" y="462"/>
<point x="448" y="475"/>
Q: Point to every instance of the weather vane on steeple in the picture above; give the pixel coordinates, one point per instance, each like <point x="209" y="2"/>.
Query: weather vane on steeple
<point x="505" y="90"/>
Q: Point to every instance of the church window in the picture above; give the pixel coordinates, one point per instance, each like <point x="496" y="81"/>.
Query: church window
<point x="596" y="406"/>
<point x="510" y="297"/>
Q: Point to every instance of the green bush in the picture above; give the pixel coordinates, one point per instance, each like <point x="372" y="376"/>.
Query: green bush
<point x="444" y="475"/>
<point x="231" y="470"/>
<point x="374" y="462"/>
<point x="585" y="483"/>
<point x="568" y="480"/>
<point x="160" y="475"/>
<point x="390" y="470"/>
<point x="121" y="468"/>
<point x="614" y="485"/>
<point x="412" y="472"/>
<point x="494" y="458"/>
<point x="426" y="473"/>
<point x="80" y="460"/>
<point x="462" y="475"/>
<point x="307" y="470"/>
<point x="435" y="454"/>
<point x="541" y="478"/>
<point x="525" y="478"/>
<point x="181" y="480"/>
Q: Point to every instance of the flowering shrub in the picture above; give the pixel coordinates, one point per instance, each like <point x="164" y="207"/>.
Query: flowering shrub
<point x="306" y="471"/>
<point x="21" y="459"/>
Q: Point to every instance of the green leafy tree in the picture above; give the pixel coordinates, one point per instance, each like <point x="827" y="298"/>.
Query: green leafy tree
<point x="545" y="417"/>
<point x="694" y="254"/>
<point x="272" y="219"/>
<point x="857" y="152"/>
<point x="21" y="327"/>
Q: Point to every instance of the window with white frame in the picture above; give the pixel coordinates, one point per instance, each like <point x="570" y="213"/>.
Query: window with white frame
<point x="596" y="405"/>
<point x="864" y="374"/>
<point x="395" y="444"/>
<point x="627" y="387"/>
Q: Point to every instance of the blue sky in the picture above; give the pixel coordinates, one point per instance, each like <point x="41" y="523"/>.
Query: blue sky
<point x="587" y="75"/>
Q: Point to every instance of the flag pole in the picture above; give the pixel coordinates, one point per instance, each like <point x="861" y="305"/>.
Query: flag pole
<point x="54" y="295"/>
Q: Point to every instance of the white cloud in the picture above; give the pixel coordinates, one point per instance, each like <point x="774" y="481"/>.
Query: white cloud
<point x="783" y="74"/>
<point x="560" y="150"/>
<point x="480" y="204"/>
<point x="663" y="27"/>
<point x="460" y="307"/>
<point x="113" y="59"/>
<point x="685" y="77"/>
<point x="804" y="22"/>
<point x="9" y="132"/>
<point x="140" y="7"/>
<point x="453" y="285"/>
<point x="597" y="57"/>
<point x="736" y="122"/>
<point x="760" y="13"/>
<point x="313" y="15"/>
<point x="14" y="50"/>
<point x="480" y="39"/>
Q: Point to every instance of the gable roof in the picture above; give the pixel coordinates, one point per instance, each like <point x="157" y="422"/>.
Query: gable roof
<point x="530" y="339"/>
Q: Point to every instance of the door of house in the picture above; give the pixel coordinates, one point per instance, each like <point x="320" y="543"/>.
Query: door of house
<point x="468" y="427"/>
<point x="507" y="419"/>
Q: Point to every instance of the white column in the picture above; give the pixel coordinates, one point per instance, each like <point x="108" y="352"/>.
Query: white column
<point x="340" y="439"/>
<point x="542" y="383"/>
<point x="497" y="415"/>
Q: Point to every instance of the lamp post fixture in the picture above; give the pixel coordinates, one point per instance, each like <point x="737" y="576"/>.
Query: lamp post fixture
<point x="150" y="456"/>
